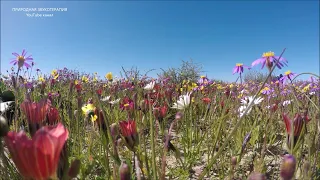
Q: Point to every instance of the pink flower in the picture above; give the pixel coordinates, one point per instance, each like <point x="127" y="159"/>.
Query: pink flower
<point x="35" y="112"/>
<point x="37" y="158"/>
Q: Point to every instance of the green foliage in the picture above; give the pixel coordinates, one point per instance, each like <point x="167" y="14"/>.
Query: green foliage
<point x="256" y="76"/>
<point x="188" y="70"/>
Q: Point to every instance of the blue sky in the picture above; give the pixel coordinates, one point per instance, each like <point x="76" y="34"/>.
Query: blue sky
<point x="102" y="36"/>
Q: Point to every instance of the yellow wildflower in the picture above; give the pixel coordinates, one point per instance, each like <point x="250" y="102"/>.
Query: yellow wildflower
<point x="85" y="79"/>
<point x="54" y="74"/>
<point x="306" y="88"/>
<point x="109" y="76"/>
<point x="41" y="79"/>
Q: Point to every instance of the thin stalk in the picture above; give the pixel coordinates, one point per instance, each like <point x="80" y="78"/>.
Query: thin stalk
<point x="153" y="153"/>
<point x="4" y="159"/>
<point x="109" y="139"/>
<point x="213" y="160"/>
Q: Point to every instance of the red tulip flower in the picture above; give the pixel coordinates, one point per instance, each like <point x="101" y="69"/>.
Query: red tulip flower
<point x="37" y="158"/>
<point x="99" y="91"/>
<point x="129" y="132"/>
<point x="298" y="123"/>
<point x="35" y="112"/>
<point x="160" y="112"/>
<point x="206" y="100"/>
<point x="53" y="115"/>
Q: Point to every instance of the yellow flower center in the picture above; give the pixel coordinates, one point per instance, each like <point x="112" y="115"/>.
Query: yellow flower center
<point x="268" y="54"/>
<point x="20" y="58"/>
<point x="126" y="105"/>
<point x="287" y="72"/>
<point x="239" y="64"/>
<point x="202" y="77"/>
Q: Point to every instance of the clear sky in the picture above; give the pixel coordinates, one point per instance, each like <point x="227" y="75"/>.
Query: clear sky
<point x="102" y="36"/>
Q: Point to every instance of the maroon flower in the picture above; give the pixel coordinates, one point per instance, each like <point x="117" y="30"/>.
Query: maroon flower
<point x="298" y="123"/>
<point x="99" y="91"/>
<point x="53" y="115"/>
<point x="127" y="104"/>
<point x="160" y="112"/>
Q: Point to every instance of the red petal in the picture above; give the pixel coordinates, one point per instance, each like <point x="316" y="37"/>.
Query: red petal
<point x="287" y="122"/>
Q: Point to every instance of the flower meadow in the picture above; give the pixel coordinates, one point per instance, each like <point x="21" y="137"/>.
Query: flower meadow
<point x="72" y="125"/>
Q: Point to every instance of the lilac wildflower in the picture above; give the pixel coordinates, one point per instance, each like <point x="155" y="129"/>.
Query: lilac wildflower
<point x="266" y="90"/>
<point x="21" y="59"/>
<point x="268" y="58"/>
<point x="203" y="80"/>
<point x="287" y="75"/>
<point x="239" y="68"/>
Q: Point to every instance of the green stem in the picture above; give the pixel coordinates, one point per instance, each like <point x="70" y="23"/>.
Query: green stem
<point x="109" y="138"/>
<point x="213" y="160"/>
<point x="4" y="159"/>
<point x="152" y="142"/>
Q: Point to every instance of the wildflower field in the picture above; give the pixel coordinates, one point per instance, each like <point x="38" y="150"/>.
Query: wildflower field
<point x="180" y="125"/>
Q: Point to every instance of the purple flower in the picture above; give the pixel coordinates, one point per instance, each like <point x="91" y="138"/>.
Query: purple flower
<point x="268" y="58"/>
<point x="239" y="68"/>
<point x="285" y="92"/>
<point x="266" y="90"/>
<point x="203" y="80"/>
<point x="21" y="59"/>
<point x="288" y="167"/>
<point x="287" y="75"/>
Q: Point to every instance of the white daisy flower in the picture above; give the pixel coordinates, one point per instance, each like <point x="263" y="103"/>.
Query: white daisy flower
<point x="183" y="102"/>
<point x="106" y="98"/>
<point x="247" y="100"/>
<point x="115" y="101"/>
<point x="286" y="103"/>
<point x="242" y="109"/>
<point x="150" y="86"/>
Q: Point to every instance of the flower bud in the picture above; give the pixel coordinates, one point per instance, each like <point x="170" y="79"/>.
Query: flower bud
<point x="4" y="129"/>
<point x="14" y="82"/>
<point x="306" y="168"/>
<point x="119" y="142"/>
<point x="257" y="176"/>
<point x="124" y="171"/>
<point x="234" y="161"/>
<point x="74" y="168"/>
<point x="75" y="113"/>
<point x="114" y="130"/>
<point x="288" y="167"/>
<point x="178" y="115"/>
